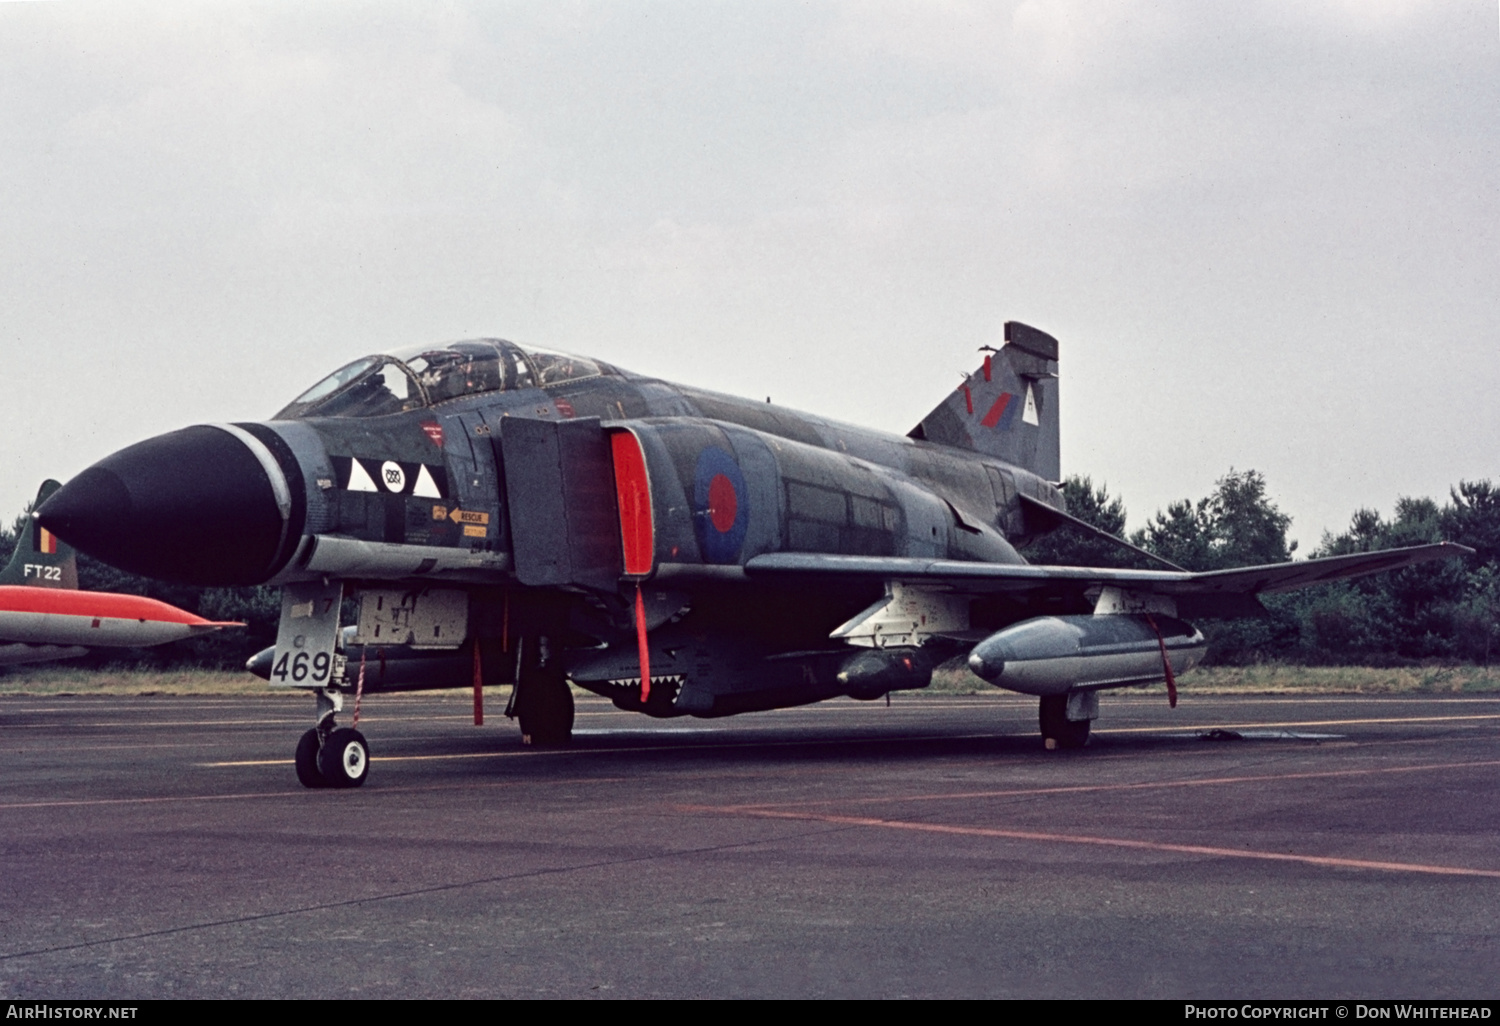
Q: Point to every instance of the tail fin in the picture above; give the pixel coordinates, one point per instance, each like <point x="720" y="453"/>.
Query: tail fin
<point x="41" y="558"/>
<point x="1008" y="407"/>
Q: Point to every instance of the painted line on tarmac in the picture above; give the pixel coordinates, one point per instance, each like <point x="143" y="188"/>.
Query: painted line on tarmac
<point x="1186" y="693"/>
<point x="299" y="721"/>
<point x="657" y="731"/>
<point x="408" y="789"/>
<point x="1150" y="785"/>
<point x="1102" y="730"/>
<point x="124" y="724"/>
<point x="67" y="803"/>
<point x="142" y="747"/>
<point x="119" y="725"/>
<point x="853" y="741"/>
<point x="1299" y="723"/>
<point x="1105" y="842"/>
<point x="233" y="743"/>
<point x="802" y="743"/>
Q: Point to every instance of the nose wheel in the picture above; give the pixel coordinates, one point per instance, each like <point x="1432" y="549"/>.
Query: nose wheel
<point x="308" y="773"/>
<point x="345" y="758"/>
<point x="329" y="755"/>
<point x="340" y="760"/>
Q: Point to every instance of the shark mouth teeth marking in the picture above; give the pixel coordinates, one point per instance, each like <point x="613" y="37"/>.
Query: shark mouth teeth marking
<point x="674" y="679"/>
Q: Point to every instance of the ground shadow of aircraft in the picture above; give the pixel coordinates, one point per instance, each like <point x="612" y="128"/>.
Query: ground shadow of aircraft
<point x="43" y="615"/>
<point x="509" y="514"/>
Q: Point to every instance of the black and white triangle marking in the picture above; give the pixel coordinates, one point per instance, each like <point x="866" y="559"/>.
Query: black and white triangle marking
<point x="391" y="477"/>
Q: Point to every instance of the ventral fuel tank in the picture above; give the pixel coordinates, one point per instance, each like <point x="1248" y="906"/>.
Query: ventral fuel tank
<point x="1049" y="655"/>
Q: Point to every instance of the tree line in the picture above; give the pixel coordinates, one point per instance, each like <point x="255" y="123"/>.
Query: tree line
<point x="1447" y="610"/>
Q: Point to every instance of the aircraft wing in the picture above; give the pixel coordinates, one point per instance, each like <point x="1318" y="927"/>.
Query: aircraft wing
<point x="1210" y="593"/>
<point x="1277" y="577"/>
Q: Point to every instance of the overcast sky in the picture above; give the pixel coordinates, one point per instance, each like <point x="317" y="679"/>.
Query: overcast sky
<point x="1267" y="234"/>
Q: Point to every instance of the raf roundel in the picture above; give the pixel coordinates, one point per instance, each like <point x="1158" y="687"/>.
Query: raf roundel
<point x="720" y="507"/>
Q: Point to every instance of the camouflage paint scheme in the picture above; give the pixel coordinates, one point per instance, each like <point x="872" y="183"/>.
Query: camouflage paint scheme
<point x="594" y="521"/>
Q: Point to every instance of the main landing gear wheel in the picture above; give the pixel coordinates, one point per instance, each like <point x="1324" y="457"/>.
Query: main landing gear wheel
<point x="1057" y="730"/>
<point x="307" y="761"/>
<point x="345" y="759"/>
<point x="545" y="709"/>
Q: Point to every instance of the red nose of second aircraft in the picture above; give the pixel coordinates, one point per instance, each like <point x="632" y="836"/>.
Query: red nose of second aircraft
<point x="213" y="505"/>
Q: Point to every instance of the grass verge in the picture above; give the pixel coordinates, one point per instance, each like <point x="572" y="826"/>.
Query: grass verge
<point x="62" y="680"/>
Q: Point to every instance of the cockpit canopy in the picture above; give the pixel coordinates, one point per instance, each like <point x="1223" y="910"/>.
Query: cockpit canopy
<point x="422" y="376"/>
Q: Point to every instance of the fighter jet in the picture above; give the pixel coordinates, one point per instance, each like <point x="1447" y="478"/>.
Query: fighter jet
<point x="512" y="514"/>
<point x="43" y="615"/>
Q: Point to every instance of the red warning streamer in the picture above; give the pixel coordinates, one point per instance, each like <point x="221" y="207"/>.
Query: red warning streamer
<point x="1166" y="664"/>
<point x="359" y="687"/>
<point x="478" y="686"/>
<point x="640" y="640"/>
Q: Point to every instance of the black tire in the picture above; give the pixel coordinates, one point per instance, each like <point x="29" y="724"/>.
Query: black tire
<point x="1057" y="730"/>
<point x="307" y="761"/>
<point x="545" y="709"/>
<point x="345" y="759"/>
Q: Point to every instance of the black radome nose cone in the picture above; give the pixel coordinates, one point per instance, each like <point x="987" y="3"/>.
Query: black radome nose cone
<point x="196" y="506"/>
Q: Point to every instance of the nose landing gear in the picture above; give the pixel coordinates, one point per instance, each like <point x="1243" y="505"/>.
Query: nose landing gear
<point x="345" y="758"/>
<point x="308" y="748"/>
<point x="330" y="755"/>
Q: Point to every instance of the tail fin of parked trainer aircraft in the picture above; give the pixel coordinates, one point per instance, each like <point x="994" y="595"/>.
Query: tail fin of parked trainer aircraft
<point x="41" y="559"/>
<point x="1008" y="407"/>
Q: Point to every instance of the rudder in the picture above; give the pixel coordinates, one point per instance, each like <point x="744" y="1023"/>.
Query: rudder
<point x="1008" y="408"/>
<point x="41" y="559"/>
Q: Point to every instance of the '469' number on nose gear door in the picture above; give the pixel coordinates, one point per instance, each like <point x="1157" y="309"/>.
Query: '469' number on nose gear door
<point x="300" y="665"/>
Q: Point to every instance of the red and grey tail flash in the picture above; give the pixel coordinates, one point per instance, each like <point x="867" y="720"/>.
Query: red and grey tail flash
<point x="1008" y="407"/>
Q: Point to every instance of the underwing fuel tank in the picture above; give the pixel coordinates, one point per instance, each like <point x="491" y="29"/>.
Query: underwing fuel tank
<point x="1050" y="655"/>
<point x="874" y="673"/>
